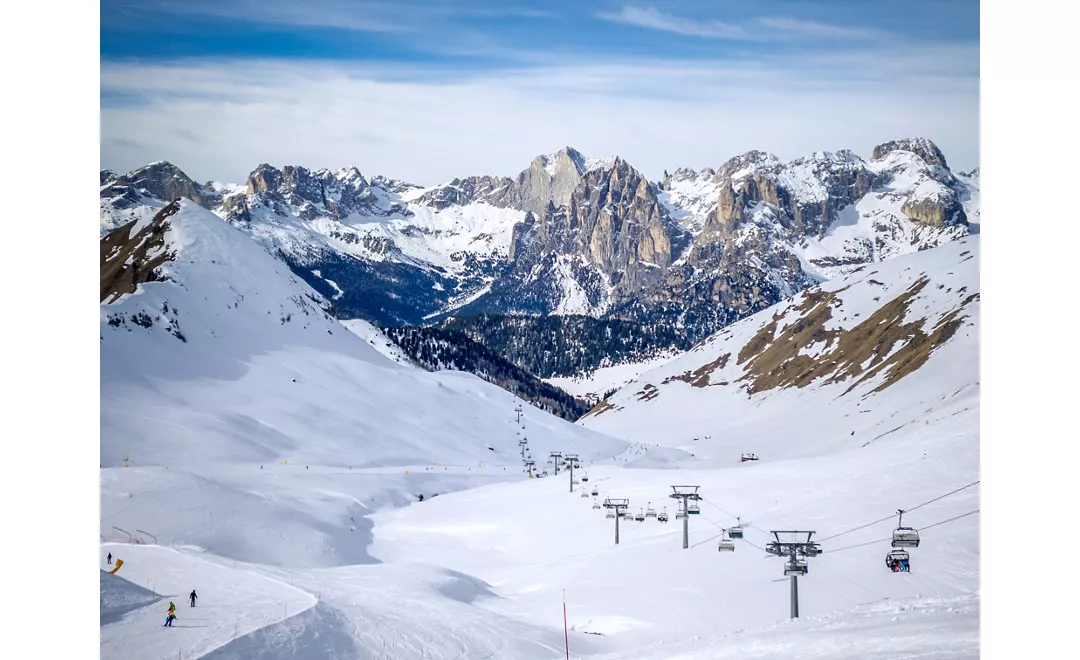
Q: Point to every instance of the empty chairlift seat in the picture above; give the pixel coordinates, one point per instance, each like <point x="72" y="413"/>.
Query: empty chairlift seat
<point x="693" y="508"/>
<point x="736" y="532"/>
<point x="650" y="512"/>
<point x="596" y="505"/>
<point x="797" y="567"/>
<point x="610" y="513"/>
<point x="905" y="537"/>
<point x="726" y="545"/>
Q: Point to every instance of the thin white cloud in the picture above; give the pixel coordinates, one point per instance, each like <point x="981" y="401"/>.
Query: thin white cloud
<point x="654" y="19"/>
<point x="816" y="29"/>
<point x="760" y="29"/>
<point x="218" y="120"/>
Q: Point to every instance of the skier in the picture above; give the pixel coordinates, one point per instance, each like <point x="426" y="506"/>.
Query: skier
<point x="421" y="496"/>
<point x="193" y="597"/>
<point x="171" y="616"/>
<point x="108" y="560"/>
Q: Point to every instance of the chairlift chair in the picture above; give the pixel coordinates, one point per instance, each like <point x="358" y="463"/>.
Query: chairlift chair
<point x="693" y="509"/>
<point x="747" y="457"/>
<point x="662" y="516"/>
<point x="898" y="561"/>
<point x="640" y="517"/>
<point x="680" y="514"/>
<point x="610" y="513"/>
<point x="595" y="492"/>
<point x="650" y="512"/>
<point x="726" y="545"/>
<point x="796" y="567"/>
<point x="585" y="478"/>
<point x="904" y="537"/>
<point x="596" y="505"/>
<point x="584" y="494"/>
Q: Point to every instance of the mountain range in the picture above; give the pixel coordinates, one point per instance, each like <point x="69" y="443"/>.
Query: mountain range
<point x="573" y="237"/>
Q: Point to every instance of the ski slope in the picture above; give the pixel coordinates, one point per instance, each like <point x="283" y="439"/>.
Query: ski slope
<point x="272" y="461"/>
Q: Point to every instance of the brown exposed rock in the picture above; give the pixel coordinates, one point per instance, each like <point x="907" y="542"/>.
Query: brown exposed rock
<point x="700" y="377"/>
<point x="862" y="352"/>
<point x="129" y="260"/>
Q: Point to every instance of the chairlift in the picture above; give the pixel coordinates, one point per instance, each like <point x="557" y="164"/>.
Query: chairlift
<point x="595" y="492"/>
<point x="796" y="567"/>
<point x="640" y="517"/>
<point x="610" y="513"/>
<point x="898" y="561"/>
<point x="726" y="544"/>
<point x="904" y="537"/>
<point x="748" y="457"/>
<point x="595" y="505"/>
<point x="680" y="514"/>
<point x="693" y="508"/>
<point x="585" y="493"/>
<point x="585" y="478"/>
<point x="650" y="512"/>
<point x="662" y="516"/>
<point x="736" y="532"/>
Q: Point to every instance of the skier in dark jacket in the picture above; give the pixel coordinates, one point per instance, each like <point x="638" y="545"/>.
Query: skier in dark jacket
<point x="193" y="597"/>
<point x="108" y="560"/>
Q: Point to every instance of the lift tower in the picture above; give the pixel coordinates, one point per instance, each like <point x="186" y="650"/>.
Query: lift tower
<point x="685" y="494"/>
<point x="620" y="505"/>
<point x="794" y="548"/>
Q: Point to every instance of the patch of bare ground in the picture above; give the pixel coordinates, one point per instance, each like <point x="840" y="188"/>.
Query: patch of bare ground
<point x="700" y="377"/>
<point x="862" y="352"/>
<point x="647" y="393"/>
<point x="599" y="409"/>
<point x="129" y="260"/>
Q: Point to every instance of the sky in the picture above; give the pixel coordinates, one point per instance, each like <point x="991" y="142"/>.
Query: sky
<point x="430" y="90"/>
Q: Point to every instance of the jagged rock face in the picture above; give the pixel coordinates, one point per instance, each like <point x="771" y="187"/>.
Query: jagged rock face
<point x="128" y="260"/>
<point x="314" y="194"/>
<point x="936" y="211"/>
<point x="166" y="182"/>
<point x="921" y="147"/>
<point x="460" y="192"/>
<point x="612" y="220"/>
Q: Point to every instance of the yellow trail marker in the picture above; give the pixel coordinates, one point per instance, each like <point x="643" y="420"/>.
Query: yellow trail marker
<point x="285" y="462"/>
<point x="119" y="563"/>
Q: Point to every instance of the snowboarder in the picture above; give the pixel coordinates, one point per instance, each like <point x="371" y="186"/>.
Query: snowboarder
<point x="171" y="616"/>
<point x="108" y="560"/>
<point x="193" y="597"/>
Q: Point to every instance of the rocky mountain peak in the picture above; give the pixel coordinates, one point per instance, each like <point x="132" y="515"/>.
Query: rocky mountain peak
<point x="161" y="180"/>
<point x="921" y="147"/>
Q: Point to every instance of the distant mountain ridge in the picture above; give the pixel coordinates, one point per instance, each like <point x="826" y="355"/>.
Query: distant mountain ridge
<point x="571" y="235"/>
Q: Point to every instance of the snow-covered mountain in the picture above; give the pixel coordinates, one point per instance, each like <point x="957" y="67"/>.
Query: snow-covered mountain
<point x="574" y="235"/>
<point x="227" y="348"/>
<point x="891" y="347"/>
<point x="254" y="449"/>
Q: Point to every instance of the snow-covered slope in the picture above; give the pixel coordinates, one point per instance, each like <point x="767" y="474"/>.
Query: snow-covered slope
<point x="378" y="340"/>
<point x="888" y="347"/>
<point x="255" y="450"/>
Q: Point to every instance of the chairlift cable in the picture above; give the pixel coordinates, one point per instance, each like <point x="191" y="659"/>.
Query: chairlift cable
<point x="890" y="517"/>
<point x="889" y="538"/>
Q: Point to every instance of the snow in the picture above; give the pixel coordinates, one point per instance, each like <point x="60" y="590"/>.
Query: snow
<point x="595" y="384"/>
<point x="378" y="340"/>
<point x="275" y="466"/>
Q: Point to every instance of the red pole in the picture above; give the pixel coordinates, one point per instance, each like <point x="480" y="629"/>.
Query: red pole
<point x="566" y="631"/>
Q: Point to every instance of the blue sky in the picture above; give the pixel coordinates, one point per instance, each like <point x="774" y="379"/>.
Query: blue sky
<point x="430" y="90"/>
